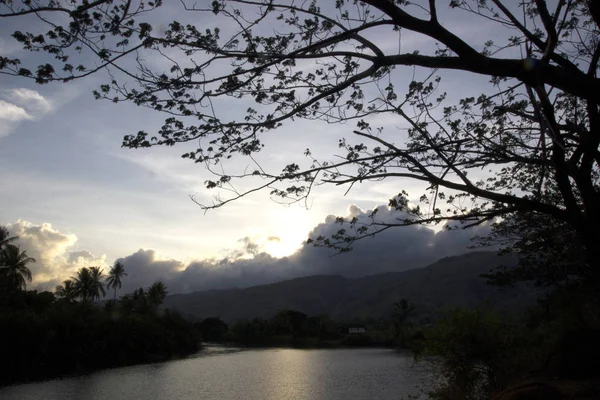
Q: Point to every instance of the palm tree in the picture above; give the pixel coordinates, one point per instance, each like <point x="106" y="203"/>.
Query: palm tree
<point x="84" y="285"/>
<point x="14" y="266"/>
<point x="114" y="277"/>
<point x="67" y="291"/>
<point x="5" y="238"/>
<point x="97" y="278"/>
<point x="157" y="293"/>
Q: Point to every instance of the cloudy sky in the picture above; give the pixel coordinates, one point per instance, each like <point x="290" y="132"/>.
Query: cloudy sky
<point x="76" y="198"/>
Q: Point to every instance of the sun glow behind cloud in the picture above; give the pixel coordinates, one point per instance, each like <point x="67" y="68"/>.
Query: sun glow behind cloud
<point x="291" y="229"/>
<point x="282" y="248"/>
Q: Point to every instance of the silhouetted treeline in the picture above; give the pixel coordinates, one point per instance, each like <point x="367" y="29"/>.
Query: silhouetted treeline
<point x="45" y="334"/>
<point x="297" y="329"/>
<point x="44" y="337"/>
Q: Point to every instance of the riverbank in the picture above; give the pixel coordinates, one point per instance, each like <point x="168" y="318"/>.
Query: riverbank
<point x="43" y="338"/>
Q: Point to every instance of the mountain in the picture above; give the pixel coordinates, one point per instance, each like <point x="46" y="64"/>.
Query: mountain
<point x="449" y="282"/>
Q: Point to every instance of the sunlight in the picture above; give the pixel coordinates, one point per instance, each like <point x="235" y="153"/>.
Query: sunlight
<point x="283" y="247"/>
<point x="293" y="228"/>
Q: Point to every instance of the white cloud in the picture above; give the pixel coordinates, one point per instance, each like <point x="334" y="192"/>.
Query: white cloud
<point x="52" y="251"/>
<point x="30" y="99"/>
<point x="80" y="256"/>
<point x="12" y="112"/>
<point x="20" y="105"/>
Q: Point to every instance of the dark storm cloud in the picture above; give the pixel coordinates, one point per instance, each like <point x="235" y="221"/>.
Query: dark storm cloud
<point x="145" y="267"/>
<point x="396" y="249"/>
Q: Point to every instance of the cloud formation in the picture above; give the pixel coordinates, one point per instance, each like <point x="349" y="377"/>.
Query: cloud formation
<point x="249" y="264"/>
<point x="393" y="250"/>
<point x="18" y="105"/>
<point x="52" y="251"/>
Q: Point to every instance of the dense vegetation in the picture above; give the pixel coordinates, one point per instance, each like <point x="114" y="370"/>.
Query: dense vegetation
<point x="294" y="328"/>
<point x="47" y="334"/>
<point x="553" y="347"/>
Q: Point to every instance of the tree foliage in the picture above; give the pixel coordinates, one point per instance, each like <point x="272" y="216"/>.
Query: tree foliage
<point x="66" y="291"/>
<point x="66" y="338"/>
<point x="157" y="292"/>
<point x="550" y="253"/>
<point x="88" y="284"/>
<point x="115" y="276"/>
<point x="62" y="335"/>
<point x="478" y="352"/>
<point x="5" y="237"/>
<point x="402" y="310"/>
<point x="13" y="267"/>
<point x="525" y="142"/>
<point x="213" y="329"/>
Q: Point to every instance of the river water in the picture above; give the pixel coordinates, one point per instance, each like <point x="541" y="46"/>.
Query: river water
<point x="231" y="373"/>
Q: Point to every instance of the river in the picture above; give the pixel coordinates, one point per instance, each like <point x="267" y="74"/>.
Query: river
<point x="231" y="373"/>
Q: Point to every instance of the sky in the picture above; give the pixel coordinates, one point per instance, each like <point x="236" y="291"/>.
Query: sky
<point x="76" y="198"/>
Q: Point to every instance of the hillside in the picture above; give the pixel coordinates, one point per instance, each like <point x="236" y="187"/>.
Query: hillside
<point x="451" y="281"/>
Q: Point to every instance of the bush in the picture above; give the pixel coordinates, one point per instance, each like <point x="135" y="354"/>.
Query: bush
<point x="478" y="352"/>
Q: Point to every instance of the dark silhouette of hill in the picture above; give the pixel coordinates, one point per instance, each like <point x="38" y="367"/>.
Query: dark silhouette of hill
<point x="449" y="282"/>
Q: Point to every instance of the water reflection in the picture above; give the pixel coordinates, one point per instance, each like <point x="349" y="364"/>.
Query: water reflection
<point x="227" y="373"/>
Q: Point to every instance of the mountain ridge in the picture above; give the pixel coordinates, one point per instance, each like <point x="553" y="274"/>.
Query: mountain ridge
<point x="449" y="282"/>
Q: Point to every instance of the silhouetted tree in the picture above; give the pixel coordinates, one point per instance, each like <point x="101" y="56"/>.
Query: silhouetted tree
<point x="85" y="285"/>
<point x="135" y="302"/>
<point x="67" y="291"/>
<point x="402" y="310"/>
<point x="14" y="267"/>
<point x="550" y="252"/>
<point x="115" y="275"/>
<point x="5" y="237"/>
<point x="213" y="329"/>
<point x="62" y="338"/>
<point x="156" y="294"/>
<point x="296" y="320"/>
<point x="534" y="130"/>
<point x="97" y="274"/>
